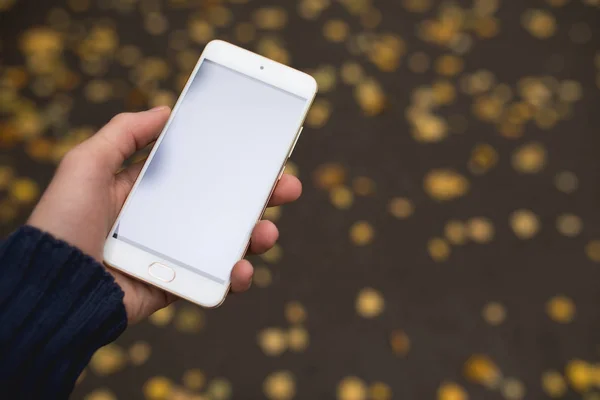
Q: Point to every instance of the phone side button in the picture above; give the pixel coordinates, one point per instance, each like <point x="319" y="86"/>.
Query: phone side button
<point x="161" y="272"/>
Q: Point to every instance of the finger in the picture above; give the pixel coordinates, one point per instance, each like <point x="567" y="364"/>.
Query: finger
<point x="125" y="134"/>
<point x="125" y="180"/>
<point x="241" y="276"/>
<point x="288" y="189"/>
<point x="264" y="236"/>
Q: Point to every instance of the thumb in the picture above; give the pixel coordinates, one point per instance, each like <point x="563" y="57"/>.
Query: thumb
<point x="125" y="134"/>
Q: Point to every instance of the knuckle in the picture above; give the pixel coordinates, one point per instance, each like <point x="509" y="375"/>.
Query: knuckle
<point x="121" y="119"/>
<point x="123" y="123"/>
<point x="75" y="157"/>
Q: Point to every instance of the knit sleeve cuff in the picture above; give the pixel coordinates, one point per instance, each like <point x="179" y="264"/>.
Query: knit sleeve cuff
<point x="57" y="307"/>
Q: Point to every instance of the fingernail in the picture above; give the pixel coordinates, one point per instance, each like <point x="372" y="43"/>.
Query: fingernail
<point x="159" y="108"/>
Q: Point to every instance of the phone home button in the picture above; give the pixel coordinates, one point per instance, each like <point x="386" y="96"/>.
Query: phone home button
<point x="161" y="272"/>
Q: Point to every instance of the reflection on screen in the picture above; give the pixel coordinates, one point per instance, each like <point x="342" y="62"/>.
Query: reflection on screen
<point x="204" y="189"/>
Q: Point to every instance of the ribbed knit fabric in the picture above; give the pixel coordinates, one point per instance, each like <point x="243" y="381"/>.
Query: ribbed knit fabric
<point x="57" y="307"/>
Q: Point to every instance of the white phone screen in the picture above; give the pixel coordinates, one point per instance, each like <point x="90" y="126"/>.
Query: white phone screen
<point x="204" y="189"/>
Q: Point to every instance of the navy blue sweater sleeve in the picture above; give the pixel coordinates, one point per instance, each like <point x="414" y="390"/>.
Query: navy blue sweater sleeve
<point x="57" y="307"/>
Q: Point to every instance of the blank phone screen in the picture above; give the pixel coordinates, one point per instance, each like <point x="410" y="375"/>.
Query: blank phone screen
<point x="206" y="185"/>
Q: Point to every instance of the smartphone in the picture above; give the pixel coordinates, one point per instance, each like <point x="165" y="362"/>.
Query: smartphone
<point x="209" y="177"/>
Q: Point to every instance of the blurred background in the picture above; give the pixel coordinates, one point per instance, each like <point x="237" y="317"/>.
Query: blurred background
<point x="447" y="245"/>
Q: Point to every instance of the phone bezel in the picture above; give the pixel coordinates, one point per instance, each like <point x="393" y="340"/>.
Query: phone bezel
<point x="187" y="284"/>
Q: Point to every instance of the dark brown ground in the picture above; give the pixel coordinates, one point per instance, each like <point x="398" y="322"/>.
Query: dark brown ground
<point x="519" y="300"/>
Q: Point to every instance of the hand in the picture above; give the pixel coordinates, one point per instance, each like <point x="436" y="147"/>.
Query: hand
<point x="83" y="200"/>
